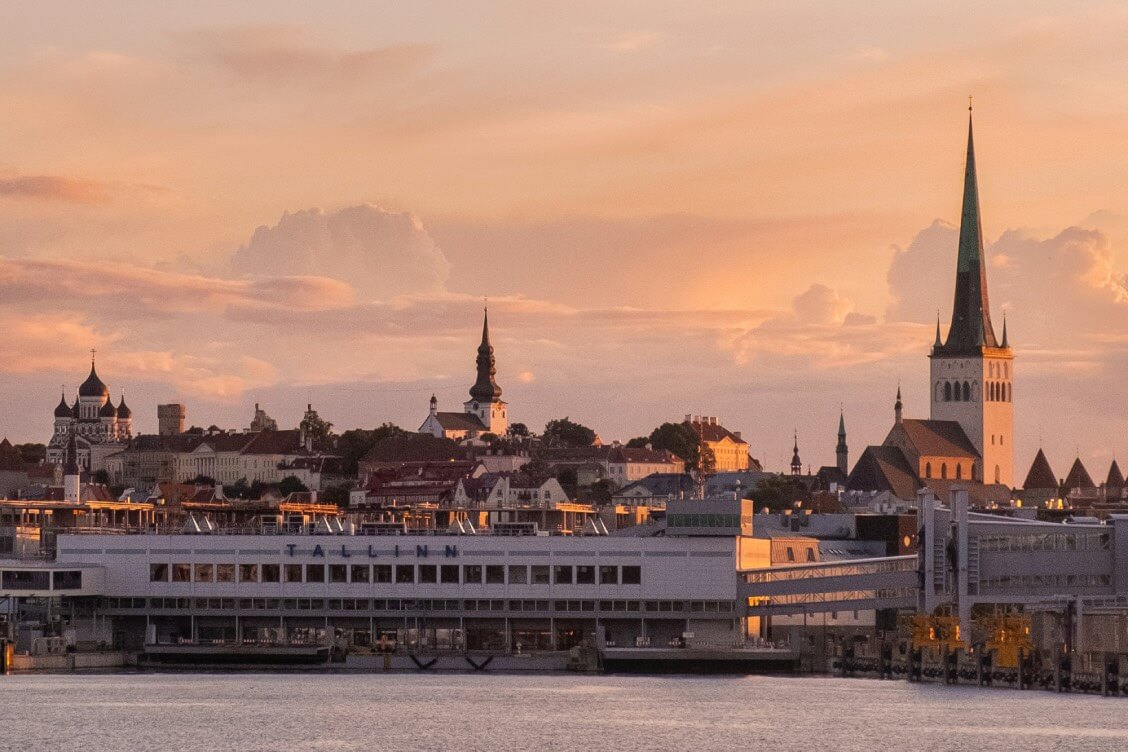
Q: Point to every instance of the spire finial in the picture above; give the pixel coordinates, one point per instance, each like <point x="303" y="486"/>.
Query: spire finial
<point x="92" y="351"/>
<point x="969" y="103"/>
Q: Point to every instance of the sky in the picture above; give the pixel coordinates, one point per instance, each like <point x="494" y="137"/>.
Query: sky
<point x="720" y="208"/>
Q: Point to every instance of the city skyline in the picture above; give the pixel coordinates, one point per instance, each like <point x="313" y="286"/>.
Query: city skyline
<point x="761" y="247"/>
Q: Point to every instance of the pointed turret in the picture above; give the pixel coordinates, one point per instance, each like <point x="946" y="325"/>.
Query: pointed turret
<point x="1078" y="478"/>
<point x="1005" y="344"/>
<point x="485" y="388"/>
<point x="938" y="343"/>
<point x="1115" y="477"/>
<point x="971" y="312"/>
<point x="842" y="452"/>
<point x="897" y="406"/>
<point x="1041" y="475"/>
<point x="796" y="463"/>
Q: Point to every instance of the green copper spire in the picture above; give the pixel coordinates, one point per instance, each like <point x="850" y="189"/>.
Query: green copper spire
<point x="971" y="313"/>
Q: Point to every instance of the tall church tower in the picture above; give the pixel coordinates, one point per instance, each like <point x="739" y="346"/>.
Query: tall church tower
<point x="485" y="396"/>
<point x="972" y="371"/>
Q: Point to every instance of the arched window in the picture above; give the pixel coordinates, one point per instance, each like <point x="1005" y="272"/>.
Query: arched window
<point x="966" y="392"/>
<point x="947" y="391"/>
<point x="944" y="470"/>
<point x="927" y="469"/>
<point x="939" y="391"/>
<point x="959" y="472"/>
<point x="1010" y="392"/>
<point x="997" y="474"/>
<point x="975" y="391"/>
<point x="1000" y="439"/>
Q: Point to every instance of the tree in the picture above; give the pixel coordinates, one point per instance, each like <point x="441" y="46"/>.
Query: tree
<point x="777" y="493"/>
<point x="32" y="453"/>
<point x="203" y="480"/>
<point x="289" y="485"/>
<point x="684" y="441"/>
<point x="601" y="491"/>
<point x="315" y="427"/>
<point x="102" y="477"/>
<point x="638" y="442"/>
<point x="336" y="494"/>
<point x="518" y="429"/>
<point x="568" y="481"/>
<point x="237" y="490"/>
<point x="564" y="433"/>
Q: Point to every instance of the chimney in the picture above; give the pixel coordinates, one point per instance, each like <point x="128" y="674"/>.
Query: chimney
<point x="737" y="435"/>
<point x="688" y="418"/>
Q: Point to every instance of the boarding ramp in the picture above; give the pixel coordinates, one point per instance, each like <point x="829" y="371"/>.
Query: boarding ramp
<point x="857" y="585"/>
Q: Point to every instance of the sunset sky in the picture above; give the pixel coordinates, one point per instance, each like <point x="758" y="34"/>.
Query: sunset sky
<point x="726" y="208"/>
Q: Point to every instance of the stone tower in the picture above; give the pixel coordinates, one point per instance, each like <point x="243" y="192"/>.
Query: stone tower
<point x="972" y="371"/>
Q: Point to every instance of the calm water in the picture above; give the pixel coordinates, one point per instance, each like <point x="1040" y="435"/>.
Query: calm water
<point x="314" y="712"/>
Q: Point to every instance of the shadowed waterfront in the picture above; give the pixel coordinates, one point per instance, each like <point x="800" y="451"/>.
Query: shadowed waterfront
<point x="305" y="712"/>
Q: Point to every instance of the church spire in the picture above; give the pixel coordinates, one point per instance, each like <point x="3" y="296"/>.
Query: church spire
<point x="1005" y="344"/>
<point x="796" y="463"/>
<point x="842" y="452"/>
<point x="897" y="406"/>
<point x="971" y="312"/>
<point x="485" y="388"/>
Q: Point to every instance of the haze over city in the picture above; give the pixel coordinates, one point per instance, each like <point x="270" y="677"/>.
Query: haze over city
<point x="744" y="212"/>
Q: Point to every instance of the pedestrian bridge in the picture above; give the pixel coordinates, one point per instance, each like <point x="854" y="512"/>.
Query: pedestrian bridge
<point x="860" y="584"/>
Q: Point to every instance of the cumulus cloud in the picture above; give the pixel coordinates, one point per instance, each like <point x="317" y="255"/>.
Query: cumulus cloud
<point x="380" y="253"/>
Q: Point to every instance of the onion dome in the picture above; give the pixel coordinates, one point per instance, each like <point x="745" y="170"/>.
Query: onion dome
<point x="93" y="386"/>
<point x="63" y="410"/>
<point x="123" y="411"/>
<point x="108" y="410"/>
<point x="75" y="412"/>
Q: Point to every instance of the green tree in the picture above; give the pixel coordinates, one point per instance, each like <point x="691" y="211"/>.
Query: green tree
<point x="564" y="433"/>
<point x="638" y="442"/>
<point x="518" y="429"/>
<point x="32" y="453"/>
<point x="102" y="477"/>
<point x="316" y="428"/>
<point x="684" y="441"/>
<point x="336" y="494"/>
<point x="601" y="491"/>
<point x="777" y="493"/>
<point x="203" y="480"/>
<point x="568" y="481"/>
<point x="289" y="485"/>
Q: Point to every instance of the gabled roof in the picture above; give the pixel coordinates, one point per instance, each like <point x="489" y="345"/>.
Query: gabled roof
<point x="939" y="438"/>
<point x="1041" y="475"/>
<point x="661" y="484"/>
<point x="1078" y="477"/>
<point x="288" y="441"/>
<point x="460" y="422"/>
<point x="713" y="432"/>
<point x="884" y="468"/>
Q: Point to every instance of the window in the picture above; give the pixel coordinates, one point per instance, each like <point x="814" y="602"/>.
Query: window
<point x="315" y="573"/>
<point x="361" y="573"/>
<point x="608" y="575"/>
<point x="959" y="471"/>
<point x="448" y="574"/>
<point x="790" y="554"/>
<point x="944" y="470"/>
<point x="270" y="572"/>
<point x="338" y="573"/>
<point x="405" y="574"/>
<point x="966" y="392"/>
<point x="205" y="573"/>
<point x="562" y="575"/>
<point x="518" y="574"/>
<point x="585" y="575"/>
<point x="927" y="469"/>
<point x="947" y="391"/>
<point x="158" y="573"/>
<point x="428" y="573"/>
<point x="382" y="573"/>
<point x="248" y="573"/>
<point x="293" y="573"/>
<point x="632" y="575"/>
<point x="225" y="573"/>
<point x="71" y="580"/>
<point x="472" y="573"/>
<point x="181" y="572"/>
<point x="810" y="554"/>
<point x="540" y="574"/>
<point x="495" y="574"/>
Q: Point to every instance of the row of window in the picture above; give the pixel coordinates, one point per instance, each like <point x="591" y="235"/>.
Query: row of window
<point x="704" y="520"/>
<point x="364" y="604"/>
<point x="1060" y="581"/>
<point x="41" y="580"/>
<point x="1046" y="542"/>
<point x="401" y="574"/>
<point x="968" y="391"/>
<point x="959" y="471"/>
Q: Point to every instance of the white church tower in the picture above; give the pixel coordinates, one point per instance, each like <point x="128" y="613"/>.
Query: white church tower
<point x="972" y="371"/>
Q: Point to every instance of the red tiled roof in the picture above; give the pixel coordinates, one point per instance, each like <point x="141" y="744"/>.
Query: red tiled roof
<point x="939" y="438"/>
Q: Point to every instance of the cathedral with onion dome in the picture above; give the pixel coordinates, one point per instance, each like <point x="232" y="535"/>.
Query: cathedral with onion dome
<point x="99" y="427"/>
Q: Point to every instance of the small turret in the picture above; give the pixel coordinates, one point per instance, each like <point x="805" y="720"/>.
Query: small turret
<point x="71" y="473"/>
<point x="434" y="405"/>
<point x="897" y="406"/>
<point x="796" y="463"/>
<point x="842" y="452"/>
